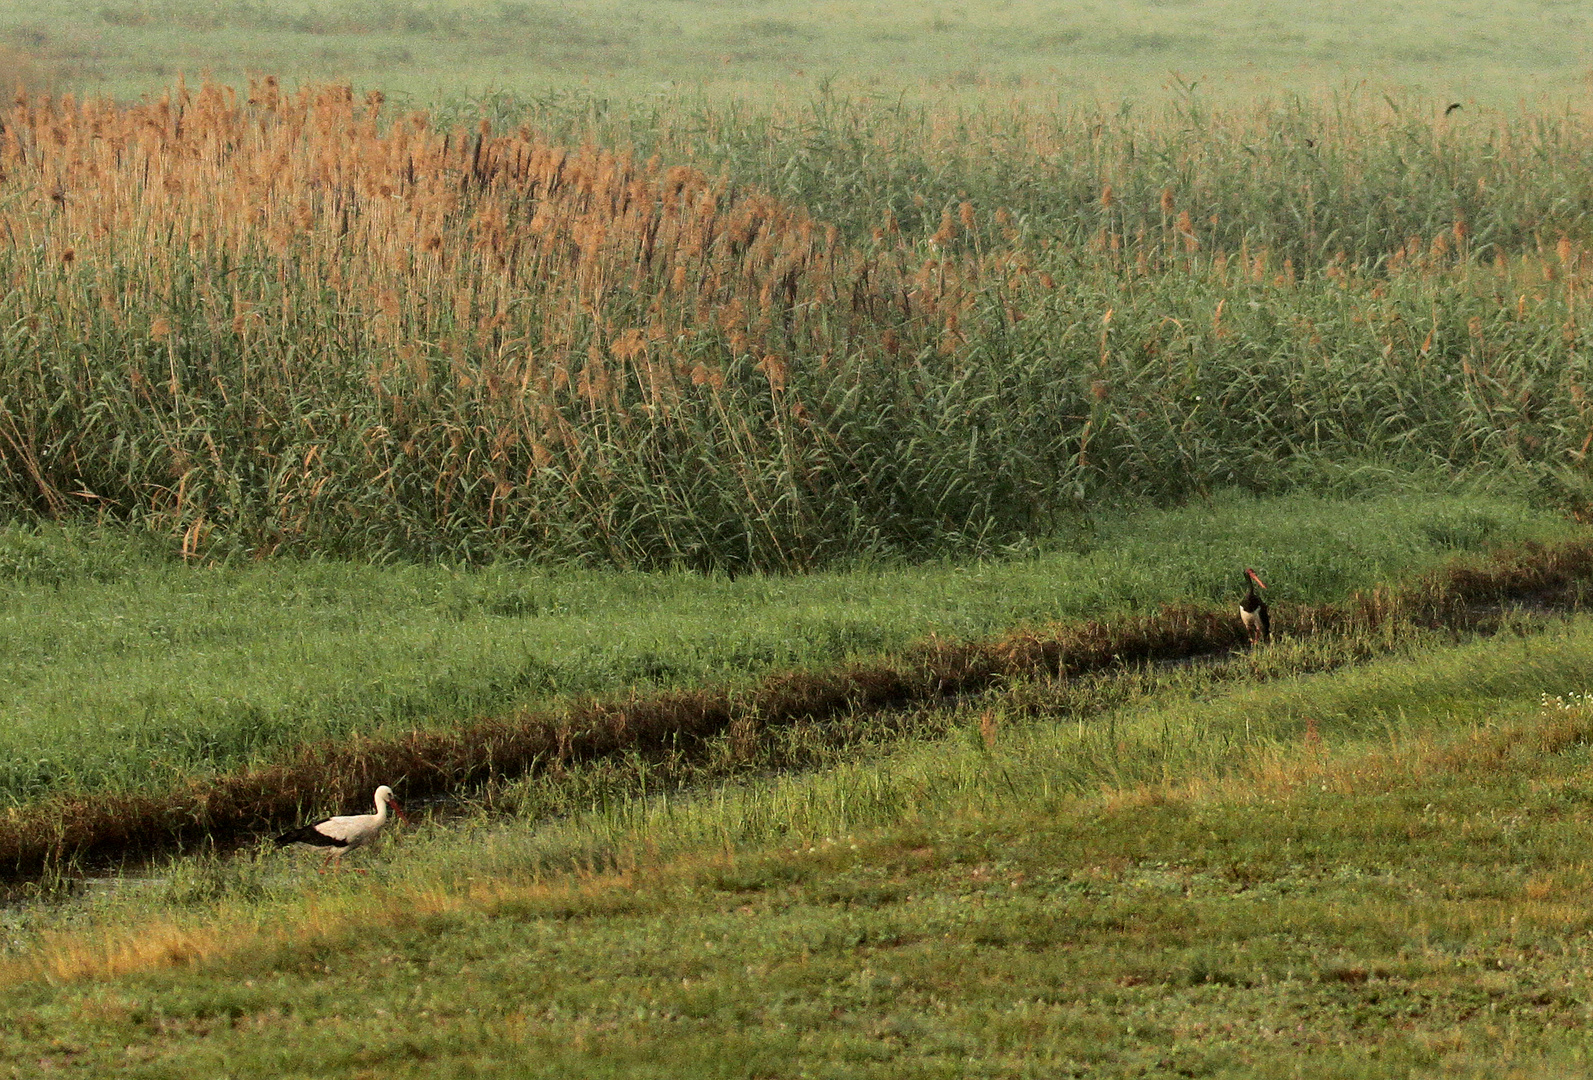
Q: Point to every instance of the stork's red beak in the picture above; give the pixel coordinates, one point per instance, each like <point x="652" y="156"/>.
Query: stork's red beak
<point x="399" y="810"/>
<point x="1251" y="574"/>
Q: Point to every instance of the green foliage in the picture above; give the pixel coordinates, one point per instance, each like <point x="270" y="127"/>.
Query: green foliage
<point x="1304" y="298"/>
<point x="37" y="554"/>
<point x="131" y="669"/>
<point x="1028" y="427"/>
<point x="1310" y="179"/>
<point x="955" y="455"/>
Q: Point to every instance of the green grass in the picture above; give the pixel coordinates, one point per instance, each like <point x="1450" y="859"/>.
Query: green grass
<point x="1057" y="742"/>
<point x="127" y="668"/>
<point x="1496" y="52"/>
<point x="1393" y="890"/>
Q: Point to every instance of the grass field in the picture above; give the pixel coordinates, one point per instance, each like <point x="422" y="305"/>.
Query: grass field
<point x="778" y="476"/>
<point x="1496" y="53"/>
<point x="127" y="668"/>
<point x="1351" y="875"/>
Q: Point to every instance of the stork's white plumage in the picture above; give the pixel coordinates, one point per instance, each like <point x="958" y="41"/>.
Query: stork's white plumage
<point x="344" y="834"/>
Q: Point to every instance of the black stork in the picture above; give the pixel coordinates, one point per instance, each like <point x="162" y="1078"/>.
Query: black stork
<point x="1253" y="609"/>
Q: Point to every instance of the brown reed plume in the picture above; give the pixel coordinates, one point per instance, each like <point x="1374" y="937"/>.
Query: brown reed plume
<point x="510" y="328"/>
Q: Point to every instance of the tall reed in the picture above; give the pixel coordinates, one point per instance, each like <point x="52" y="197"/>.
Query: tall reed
<point x="292" y="321"/>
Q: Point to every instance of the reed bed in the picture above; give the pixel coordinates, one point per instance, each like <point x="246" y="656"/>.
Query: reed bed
<point x="283" y="321"/>
<point x="1310" y="180"/>
<point x="719" y="731"/>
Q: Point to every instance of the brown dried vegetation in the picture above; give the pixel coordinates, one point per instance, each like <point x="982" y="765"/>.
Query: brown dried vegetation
<point x="431" y="332"/>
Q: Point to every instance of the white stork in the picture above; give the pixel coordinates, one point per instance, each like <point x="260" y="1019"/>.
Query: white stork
<point x="344" y="834"/>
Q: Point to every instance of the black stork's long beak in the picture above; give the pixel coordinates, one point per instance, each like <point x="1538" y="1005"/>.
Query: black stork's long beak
<point x="1251" y="574"/>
